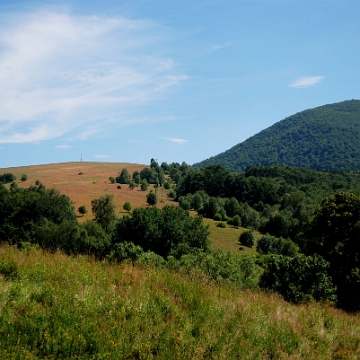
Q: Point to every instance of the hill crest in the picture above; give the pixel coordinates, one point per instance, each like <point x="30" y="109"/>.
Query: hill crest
<point x="324" y="138"/>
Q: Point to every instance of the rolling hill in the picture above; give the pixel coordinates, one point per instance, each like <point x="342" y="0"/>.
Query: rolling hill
<point x="323" y="138"/>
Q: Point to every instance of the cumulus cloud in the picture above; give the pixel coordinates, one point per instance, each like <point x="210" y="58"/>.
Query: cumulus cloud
<point x="177" y="141"/>
<point x="63" y="74"/>
<point x="306" y="81"/>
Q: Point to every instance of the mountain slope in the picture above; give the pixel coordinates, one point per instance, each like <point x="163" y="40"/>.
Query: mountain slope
<point x="326" y="137"/>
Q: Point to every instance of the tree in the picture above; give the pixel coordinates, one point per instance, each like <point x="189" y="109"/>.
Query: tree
<point x="168" y="231"/>
<point x="103" y="209"/>
<point x="299" y="279"/>
<point x="127" y="206"/>
<point x="136" y="177"/>
<point x="151" y="198"/>
<point x="132" y="185"/>
<point x="144" y="185"/>
<point x="247" y="238"/>
<point x="335" y="235"/>
<point x="82" y="210"/>
<point x="124" y="177"/>
<point x="24" y="177"/>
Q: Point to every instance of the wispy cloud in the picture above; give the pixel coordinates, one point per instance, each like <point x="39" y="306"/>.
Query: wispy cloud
<point x="177" y="141"/>
<point x="99" y="156"/>
<point x="64" y="146"/>
<point x="61" y="73"/>
<point x="306" y="81"/>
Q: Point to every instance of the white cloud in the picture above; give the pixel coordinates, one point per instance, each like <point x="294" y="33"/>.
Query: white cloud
<point x="63" y="74"/>
<point x="177" y="141"/>
<point x="306" y="81"/>
<point x="99" y="156"/>
<point x="64" y="147"/>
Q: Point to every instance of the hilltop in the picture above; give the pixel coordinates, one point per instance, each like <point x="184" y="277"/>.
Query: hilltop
<point x="323" y="138"/>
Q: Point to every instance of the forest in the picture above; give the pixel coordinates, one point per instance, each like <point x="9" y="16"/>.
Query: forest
<point x="323" y="138"/>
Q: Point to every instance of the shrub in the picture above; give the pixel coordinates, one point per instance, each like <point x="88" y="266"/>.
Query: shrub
<point x="299" y="279"/>
<point x="217" y="217"/>
<point x="82" y="210"/>
<point x="171" y="229"/>
<point x="24" y="177"/>
<point x="268" y="244"/>
<point x="247" y="238"/>
<point x="221" y="225"/>
<point x="127" y="206"/>
<point x="235" y="221"/>
<point x="124" y="251"/>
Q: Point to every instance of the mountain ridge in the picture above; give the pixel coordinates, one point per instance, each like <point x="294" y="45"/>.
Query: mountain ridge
<point x="323" y="138"/>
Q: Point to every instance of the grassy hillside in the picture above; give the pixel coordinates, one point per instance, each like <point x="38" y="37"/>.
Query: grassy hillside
<point x="85" y="181"/>
<point x="326" y="137"/>
<point x="94" y="182"/>
<point x="54" y="306"/>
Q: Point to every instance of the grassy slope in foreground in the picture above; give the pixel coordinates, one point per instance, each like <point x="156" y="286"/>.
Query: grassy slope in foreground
<point x="66" y="307"/>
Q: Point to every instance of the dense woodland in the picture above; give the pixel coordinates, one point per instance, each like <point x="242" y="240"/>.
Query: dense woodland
<point x="308" y="220"/>
<point x="323" y="138"/>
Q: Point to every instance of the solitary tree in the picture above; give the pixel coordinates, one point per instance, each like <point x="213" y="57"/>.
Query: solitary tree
<point x="82" y="210"/>
<point x="127" y="206"/>
<point x="103" y="209"/>
<point x="151" y="198"/>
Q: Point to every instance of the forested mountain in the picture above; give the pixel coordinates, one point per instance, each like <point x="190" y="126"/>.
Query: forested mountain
<point x="323" y="138"/>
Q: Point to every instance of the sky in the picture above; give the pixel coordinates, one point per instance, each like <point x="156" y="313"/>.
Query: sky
<point x="174" y="80"/>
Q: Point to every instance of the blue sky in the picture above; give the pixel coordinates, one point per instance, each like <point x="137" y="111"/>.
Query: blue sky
<point x="172" y="80"/>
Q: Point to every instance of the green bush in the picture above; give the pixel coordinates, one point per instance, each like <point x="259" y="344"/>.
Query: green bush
<point x="299" y="279"/>
<point x="268" y="244"/>
<point x="162" y="231"/>
<point x="247" y="238"/>
<point x="221" y="225"/>
<point x="217" y="217"/>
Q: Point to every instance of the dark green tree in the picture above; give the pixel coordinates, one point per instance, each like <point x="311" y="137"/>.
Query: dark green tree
<point x="124" y="177"/>
<point x="151" y="198"/>
<point x="82" y="210"/>
<point x="247" y="238"/>
<point x="103" y="209"/>
<point x="299" y="279"/>
<point x="335" y="234"/>
<point x="127" y="206"/>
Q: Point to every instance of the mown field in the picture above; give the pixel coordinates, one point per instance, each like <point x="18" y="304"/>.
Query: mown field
<point x="85" y="181"/>
<point x="57" y="307"/>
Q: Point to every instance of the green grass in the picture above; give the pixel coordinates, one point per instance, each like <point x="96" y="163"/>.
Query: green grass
<point x="54" y="306"/>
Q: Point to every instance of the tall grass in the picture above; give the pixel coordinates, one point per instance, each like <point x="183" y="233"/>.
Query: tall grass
<point x="54" y="306"/>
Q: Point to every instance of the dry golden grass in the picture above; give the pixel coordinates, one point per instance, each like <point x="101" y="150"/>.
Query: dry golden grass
<point x="92" y="183"/>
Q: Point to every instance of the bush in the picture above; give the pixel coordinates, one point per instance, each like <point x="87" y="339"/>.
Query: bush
<point x="217" y="217"/>
<point x="247" y="238"/>
<point x="82" y="210"/>
<point x="221" y="225"/>
<point x="125" y="251"/>
<point x="268" y="244"/>
<point x="127" y="206"/>
<point x="235" y="221"/>
<point x="299" y="279"/>
<point x="24" y="177"/>
<point x="151" y="198"/>
<point x="171" y="229"/>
